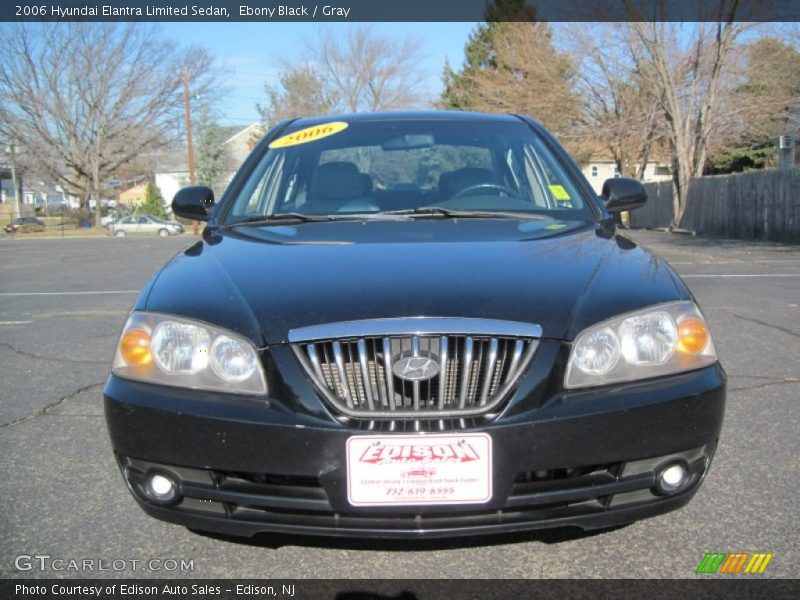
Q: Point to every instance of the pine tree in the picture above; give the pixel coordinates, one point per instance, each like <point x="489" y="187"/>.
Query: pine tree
<point x="153" y="201"/>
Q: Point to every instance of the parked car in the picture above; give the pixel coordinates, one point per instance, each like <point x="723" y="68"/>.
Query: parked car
<point x="436" y="294"/>
<point x="112" y="217"/>
<point x="25" y="225"/>
<point x="144" y="225"/>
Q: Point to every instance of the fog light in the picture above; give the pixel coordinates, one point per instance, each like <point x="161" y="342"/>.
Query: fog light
<point x="160" y="488"/>
<point x="672" y="478"/>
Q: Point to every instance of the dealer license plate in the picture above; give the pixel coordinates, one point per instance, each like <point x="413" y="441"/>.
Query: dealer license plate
<point x="392" y="470"/>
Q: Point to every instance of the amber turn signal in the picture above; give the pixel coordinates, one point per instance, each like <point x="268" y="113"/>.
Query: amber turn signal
<point x="135" y="347"/>
<point x="692" y="336"/>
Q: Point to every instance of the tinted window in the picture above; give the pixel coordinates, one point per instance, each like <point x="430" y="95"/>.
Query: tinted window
<point x="383" y="166"/>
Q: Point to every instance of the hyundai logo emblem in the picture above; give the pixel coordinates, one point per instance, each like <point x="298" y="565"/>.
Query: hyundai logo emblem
<point x="415" y="368"/>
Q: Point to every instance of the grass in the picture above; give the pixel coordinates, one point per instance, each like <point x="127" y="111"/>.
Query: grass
<point x="53" y="232"/>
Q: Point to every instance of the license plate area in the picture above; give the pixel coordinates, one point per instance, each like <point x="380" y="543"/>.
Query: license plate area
<point x="394" y="470"/>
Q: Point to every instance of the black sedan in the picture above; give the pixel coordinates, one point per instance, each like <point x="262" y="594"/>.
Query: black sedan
<point x="409" y="325"/>
<point x="25" y="225"/>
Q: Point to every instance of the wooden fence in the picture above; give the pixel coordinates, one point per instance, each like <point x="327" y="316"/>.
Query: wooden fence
<point x="758" y="205"/>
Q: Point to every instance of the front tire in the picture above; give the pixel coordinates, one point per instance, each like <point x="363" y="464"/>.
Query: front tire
<point x="163" y="233"/>
<point x="120" y="234"/>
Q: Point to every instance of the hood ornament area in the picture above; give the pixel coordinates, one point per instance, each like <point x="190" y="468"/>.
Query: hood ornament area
<point x="415" y="368"/>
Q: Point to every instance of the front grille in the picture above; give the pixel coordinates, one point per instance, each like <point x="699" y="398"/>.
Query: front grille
<point x="469" y="365"/>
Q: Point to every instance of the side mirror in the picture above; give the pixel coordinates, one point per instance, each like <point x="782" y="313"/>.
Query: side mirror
<point x="621" y="194"/>
<point x="193" y="202"/>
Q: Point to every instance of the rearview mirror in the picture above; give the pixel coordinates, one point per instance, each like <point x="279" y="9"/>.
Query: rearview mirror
<point x="193" y="202"/>
<point x="622" y="193"/>
<point x="409" y="141"/>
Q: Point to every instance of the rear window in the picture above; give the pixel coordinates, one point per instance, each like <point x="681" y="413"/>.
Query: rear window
<point x="383" y="166"/>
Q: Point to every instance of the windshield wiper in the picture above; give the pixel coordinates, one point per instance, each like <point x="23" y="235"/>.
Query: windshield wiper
<point x="291" y="217"/>
<point x="448" y="213"/>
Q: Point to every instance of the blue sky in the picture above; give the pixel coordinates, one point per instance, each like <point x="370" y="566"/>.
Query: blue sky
<point x="251" y="53"/>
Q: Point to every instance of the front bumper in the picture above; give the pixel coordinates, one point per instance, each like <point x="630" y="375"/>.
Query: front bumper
<point x="247" y="466"/>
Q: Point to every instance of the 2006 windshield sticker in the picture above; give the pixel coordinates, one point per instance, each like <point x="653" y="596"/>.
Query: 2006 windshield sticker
<point x="309" y="134"/>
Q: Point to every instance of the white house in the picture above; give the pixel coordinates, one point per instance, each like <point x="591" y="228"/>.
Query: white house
<point x="599" y="169"/>
<point x="171" y="169"/>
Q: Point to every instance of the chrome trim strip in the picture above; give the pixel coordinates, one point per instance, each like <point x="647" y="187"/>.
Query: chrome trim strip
<point x="414" y="326"/>
<point x="387" y="370"/>
<point x="337" y="356"/>
<point x="487" y="374"/>
<point x="415" y="384"/>
<point x="465" y="372"/>
<point x="512" y="370"/>
<point x="312" y="356"/>
<point x="442" y="370"/>
<point x="366" y="380"/>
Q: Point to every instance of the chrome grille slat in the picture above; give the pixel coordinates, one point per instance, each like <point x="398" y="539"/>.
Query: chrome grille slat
<point x="415" y="384"/>
<point x="488" y="374"/>
<point x="387" y="369"/>
<point x="367" y="380"/>
<point x="337" y="355"/>
<point x="476" y="372"/>
<point x="442" y="370"/>
<point x="465" y="372"/>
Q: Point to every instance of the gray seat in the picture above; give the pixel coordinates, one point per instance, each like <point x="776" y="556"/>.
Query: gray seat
<point x="339" y="187"/>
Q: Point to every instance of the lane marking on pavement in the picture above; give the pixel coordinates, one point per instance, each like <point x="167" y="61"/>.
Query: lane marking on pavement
<point x="69" y="293"/>
<point x="740" y="275"/>
<point x="15" y="322"/>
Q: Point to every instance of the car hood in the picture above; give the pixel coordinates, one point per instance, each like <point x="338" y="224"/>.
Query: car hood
<point x="265" y="281"/>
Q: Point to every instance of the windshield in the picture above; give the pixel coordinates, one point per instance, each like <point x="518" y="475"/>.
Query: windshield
<point x="409" y="167"/>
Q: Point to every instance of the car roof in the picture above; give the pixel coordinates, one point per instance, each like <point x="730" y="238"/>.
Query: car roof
<point x="410" y="115"/>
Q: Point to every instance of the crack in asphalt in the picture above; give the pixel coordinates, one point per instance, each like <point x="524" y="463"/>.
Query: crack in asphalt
<point x="27" y="354"/>
<point x="784" y="381"/>
<point x="760" y="322"/>
<point x="48" y="407"/>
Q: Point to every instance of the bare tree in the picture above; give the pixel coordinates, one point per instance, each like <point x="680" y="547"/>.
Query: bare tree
<point x="686" y="68"/>
<point x="87" y="98"/>
<point x="354" y="71"/>
<point x="366" y="71"/>
<point x="620" y="113"/>
<point x="301" y="93"/>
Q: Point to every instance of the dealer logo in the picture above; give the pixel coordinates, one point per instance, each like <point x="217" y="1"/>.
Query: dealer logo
<point x="382" y="454"/>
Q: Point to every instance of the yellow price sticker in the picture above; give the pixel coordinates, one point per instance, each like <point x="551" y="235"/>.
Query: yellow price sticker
<point x="559" y="193"/>
<point x="309" y="134"/>
<point x="556" y="226"/>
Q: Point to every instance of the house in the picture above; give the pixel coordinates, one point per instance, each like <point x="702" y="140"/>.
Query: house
<point x="598" y="169"/>
<point x="171" y="171"/>
<point x="34" y="194"/>
<point x="133" y="197"/>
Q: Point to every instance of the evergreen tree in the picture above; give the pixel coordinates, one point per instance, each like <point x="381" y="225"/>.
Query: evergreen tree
<point x="212" y="162"/>
<point x="153" y="201"/>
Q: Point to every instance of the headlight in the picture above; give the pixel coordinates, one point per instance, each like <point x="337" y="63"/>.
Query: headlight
<point x="660" y="340"/>
<point x="175" y="351"/>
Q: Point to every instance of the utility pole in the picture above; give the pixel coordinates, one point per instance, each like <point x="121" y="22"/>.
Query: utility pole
<point x="12" y="150"/>
<point x="189" y="147"/>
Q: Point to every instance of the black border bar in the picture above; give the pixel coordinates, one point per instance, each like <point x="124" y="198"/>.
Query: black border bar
<point x="707" y="586"/>
<point x="263" y="11"/>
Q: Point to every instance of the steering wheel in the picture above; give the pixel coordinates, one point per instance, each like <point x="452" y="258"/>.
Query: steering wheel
<point x="485" y="186"/>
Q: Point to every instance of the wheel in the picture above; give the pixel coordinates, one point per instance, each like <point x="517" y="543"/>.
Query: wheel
<point x="163" y="233"/>
<point x="120" y="233"/>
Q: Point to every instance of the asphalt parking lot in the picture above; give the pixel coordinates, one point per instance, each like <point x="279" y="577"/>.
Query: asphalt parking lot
<point x="62" y="303"/>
